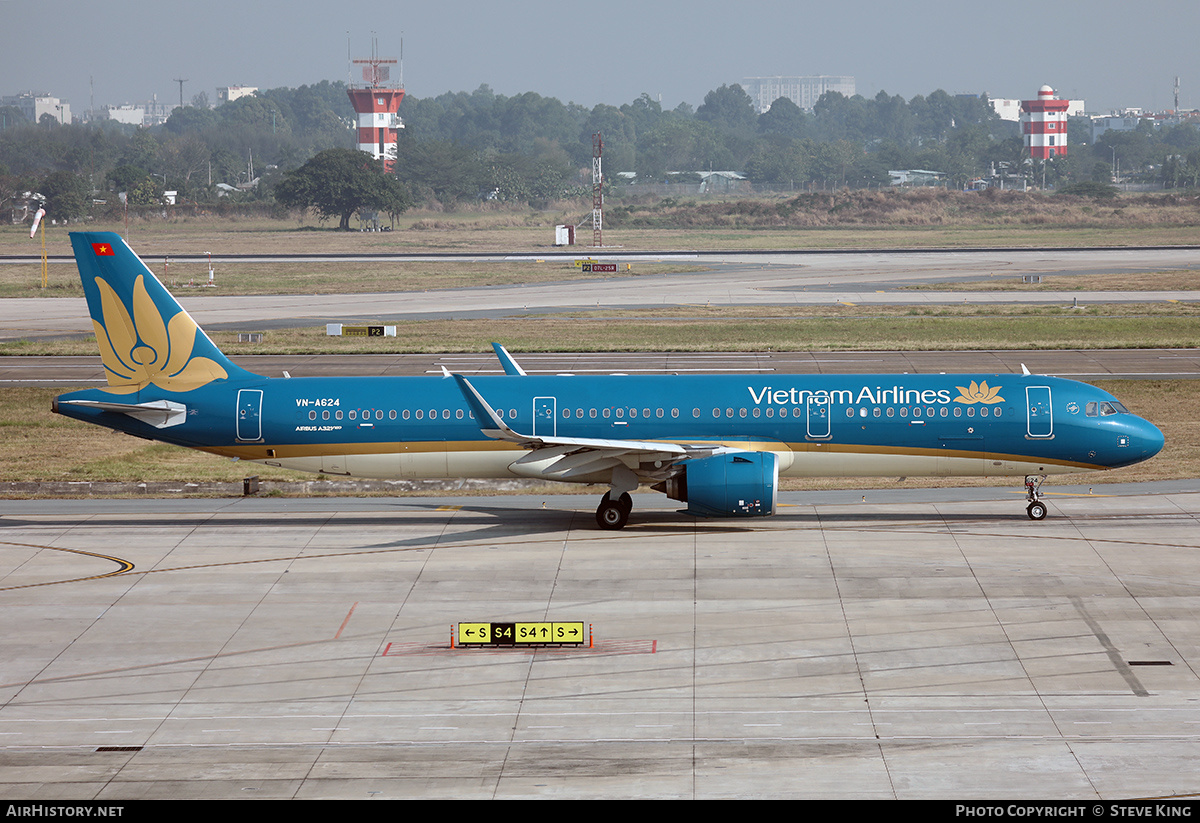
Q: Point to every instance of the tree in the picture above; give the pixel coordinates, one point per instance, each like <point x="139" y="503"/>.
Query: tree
<point x="728" y="108"/>
<point x="784" y="117"/>
<point x="339" y="182"/>
<point x="66" y="194"/>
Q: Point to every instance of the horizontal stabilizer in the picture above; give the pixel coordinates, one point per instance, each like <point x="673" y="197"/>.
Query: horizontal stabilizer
<point x="160" y="414"/>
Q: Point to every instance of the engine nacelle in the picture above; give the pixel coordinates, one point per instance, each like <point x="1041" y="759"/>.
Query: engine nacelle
<point x="740" y="484"/>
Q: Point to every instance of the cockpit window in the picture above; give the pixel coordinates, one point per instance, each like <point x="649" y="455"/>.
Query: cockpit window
<point x="1105" y="409"/>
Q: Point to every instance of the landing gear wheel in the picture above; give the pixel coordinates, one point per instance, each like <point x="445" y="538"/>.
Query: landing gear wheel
<point x="626" y="502"/>
<point x="611" y="515"/>
<point x="1036" y="511"/>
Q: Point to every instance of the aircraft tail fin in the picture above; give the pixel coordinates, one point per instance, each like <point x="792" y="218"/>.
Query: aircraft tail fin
<point x="145" y="336"/>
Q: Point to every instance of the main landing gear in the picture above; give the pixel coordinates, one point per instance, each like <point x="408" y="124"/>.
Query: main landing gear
<point x="1033" y="493"/>
<point x="614" y="514"/>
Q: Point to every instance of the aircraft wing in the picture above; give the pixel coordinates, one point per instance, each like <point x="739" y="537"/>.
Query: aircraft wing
<point x="570" y="458"/>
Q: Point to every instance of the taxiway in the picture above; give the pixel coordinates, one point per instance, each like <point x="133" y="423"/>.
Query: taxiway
<point x="916" y="644"/>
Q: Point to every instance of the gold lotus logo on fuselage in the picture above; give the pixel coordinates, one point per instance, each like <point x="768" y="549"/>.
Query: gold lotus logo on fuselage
<point x="978" y="393"/>
<point x="140" y="350"/>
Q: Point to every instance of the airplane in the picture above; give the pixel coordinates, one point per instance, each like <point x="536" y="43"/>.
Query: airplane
<point x="717" y="443"/>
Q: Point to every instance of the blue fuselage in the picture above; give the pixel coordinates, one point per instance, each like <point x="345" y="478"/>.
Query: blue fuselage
<point x="827" y="425"/>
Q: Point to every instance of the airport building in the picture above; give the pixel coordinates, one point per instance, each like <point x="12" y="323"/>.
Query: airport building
<point x="803" y="91"/>
<point x="1044" y="125"/>
<point x="376" y="102"/>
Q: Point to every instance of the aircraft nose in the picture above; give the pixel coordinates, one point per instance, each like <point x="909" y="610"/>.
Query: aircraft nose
<point x="1148" y="439"/>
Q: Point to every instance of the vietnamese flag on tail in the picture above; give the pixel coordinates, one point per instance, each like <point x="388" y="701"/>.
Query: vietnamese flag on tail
<point x="103" y="249"/>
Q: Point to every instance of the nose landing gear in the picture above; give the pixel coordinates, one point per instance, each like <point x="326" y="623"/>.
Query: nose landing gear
<point x="1033" y="493"/>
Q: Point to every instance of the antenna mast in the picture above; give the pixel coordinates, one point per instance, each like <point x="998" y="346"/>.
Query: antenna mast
<point x="597" y="191"/>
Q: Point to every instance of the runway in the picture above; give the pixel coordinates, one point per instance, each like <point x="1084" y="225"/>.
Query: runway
<point x="916" y="644"/>
<point x="813" y="278"/>
<point x="1091" y="364"/>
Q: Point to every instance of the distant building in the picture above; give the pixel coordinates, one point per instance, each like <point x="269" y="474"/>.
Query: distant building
<point x="916" y="177"/>
<point x="1010" y="109"/>
<point x="33" y="106"/>
<point x="376" y="102"/>
<point x="228" y="94"/>
<point x="128" y="114"/>
<point x="803" y="91"/>
<point x="1044" y="125"/>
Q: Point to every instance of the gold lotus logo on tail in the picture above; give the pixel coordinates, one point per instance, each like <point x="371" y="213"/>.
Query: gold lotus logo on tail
<point x="978" y="393"/>
<point x="143" y="349"/>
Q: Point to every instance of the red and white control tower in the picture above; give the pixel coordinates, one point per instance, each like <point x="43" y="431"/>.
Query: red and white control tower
<point x="377" y="101"/>
<point x="1044" y="125"/>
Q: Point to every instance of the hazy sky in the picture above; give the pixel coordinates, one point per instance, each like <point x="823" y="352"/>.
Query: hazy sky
<point x="1110" y="54"/>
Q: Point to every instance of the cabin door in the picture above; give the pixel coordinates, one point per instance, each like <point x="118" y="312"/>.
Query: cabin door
<point x="1040" y="417"/>
<point x="249" y="414"/>
<point x="818" y="417"/>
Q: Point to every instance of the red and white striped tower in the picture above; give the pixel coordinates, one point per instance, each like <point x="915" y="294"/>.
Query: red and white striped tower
<point x="376" y="102"/>
<point x="1044" y="124"/>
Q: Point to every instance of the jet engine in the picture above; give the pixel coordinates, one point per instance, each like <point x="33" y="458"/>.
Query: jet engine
<point x="738" y="484"/>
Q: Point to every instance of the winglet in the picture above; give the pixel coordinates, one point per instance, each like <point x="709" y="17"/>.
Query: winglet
<point x="506" y="360"/>
<point x="490" y="423"/>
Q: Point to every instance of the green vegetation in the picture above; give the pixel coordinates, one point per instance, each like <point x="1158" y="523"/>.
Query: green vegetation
<point x="485" y="148"/>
